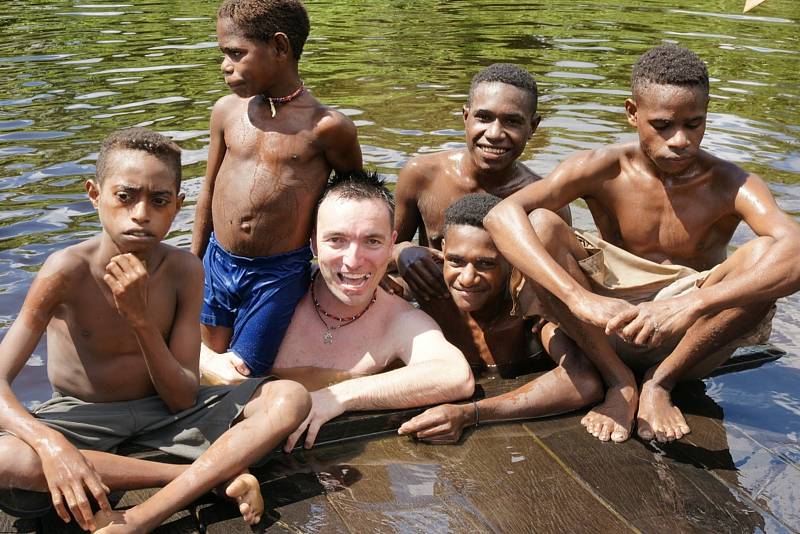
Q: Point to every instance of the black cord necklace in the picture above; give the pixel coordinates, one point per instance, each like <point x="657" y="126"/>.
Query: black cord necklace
<point x="327" y="336"/>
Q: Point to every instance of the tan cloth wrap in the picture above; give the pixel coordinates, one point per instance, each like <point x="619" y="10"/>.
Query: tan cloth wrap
<point x="615" y="272"/>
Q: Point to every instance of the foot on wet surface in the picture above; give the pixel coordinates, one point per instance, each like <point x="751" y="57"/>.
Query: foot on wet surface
<point x="246" y="491"/>
<point x="658" y="418"/>
<point x="613" y="418"/>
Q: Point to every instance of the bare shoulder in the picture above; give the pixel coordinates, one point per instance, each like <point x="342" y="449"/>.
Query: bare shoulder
<point x="421" y="170"/>
<point x="329" y="123"/>
<point x="181" y="264"/>
<point x="227" y="107"/>
<point x="405" y="318"/>
<point x="73" y="261"/>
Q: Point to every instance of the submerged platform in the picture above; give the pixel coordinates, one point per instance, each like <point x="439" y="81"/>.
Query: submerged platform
<point x="544" y="475"/>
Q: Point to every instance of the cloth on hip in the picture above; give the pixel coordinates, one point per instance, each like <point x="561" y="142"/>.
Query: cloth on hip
<point x="104" y="426"/>
<point x="256" y="297"/>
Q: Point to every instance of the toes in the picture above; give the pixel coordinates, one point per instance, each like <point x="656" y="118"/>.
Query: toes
<point x="619" y="435"/>
<point x="605" y="433"/>
<point x="644" y="430"/>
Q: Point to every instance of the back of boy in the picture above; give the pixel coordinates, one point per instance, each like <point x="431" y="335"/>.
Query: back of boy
<point x="273" y="146"/>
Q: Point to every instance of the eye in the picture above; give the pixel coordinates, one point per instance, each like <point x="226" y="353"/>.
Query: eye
<point x="122" y="196"/>
<point x="160" y="201"/>
<point x="660" y="125"/>
<point x="483" y="117"/>
<point x="694" y="124"/>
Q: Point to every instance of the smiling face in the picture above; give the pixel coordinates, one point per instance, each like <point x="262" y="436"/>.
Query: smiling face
<point x="671" y="121"/>
<point x="499" y="120"/>
<point x="353" y="243"/>
<point x="248" y="65"/>
<point x="136" y="201"/>
<point x="474" y="270"/>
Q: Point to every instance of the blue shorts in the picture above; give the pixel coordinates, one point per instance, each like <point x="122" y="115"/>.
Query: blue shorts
<point x="256" y="297"/>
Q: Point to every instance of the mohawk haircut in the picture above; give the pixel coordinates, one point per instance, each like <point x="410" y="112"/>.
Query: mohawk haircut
<point x="469" y="210"/>
<point x="669" y="65"/>
<point x="510" y="74"/>
<point x="139" y="139"/>
<point x="360" y="185"/>
<point x="261" y="19"/>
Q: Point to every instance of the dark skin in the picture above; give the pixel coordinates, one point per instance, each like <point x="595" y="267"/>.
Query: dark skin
<point x="265" y="174"/>
<point x="480" y="324"/>
<point x="498" y="121"/>
<point x="666" y="200"/>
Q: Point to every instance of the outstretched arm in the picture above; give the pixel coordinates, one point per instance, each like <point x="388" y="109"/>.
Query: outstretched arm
<point x="203" y="222"/>
<point x="435" y="372"/>
<point x="70" y="477"/>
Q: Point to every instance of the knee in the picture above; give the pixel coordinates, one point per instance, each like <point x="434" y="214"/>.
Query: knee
<point x="288" y="398"/>
<point x="19" y="464"/>
<point x="549" y="227"/>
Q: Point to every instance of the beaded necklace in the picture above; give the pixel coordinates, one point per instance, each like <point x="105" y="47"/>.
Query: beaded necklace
<point x="284" y="99"/>
<point x="327" y="337"/>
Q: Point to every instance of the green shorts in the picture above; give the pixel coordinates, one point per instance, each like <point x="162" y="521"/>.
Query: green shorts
<point x="104" y="426"/>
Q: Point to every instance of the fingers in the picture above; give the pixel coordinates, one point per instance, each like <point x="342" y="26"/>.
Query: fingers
<point x="415" y="424"/>
<point x="99" y="491"/>
<point x="426" y="280"/>
<point x="239" y="365"/>
<point x="311" y="435"/>
<point x="81" y="508"/>
<point x="59" y="504"/>
<point x="620" y="320"/>
<point x="291" y="441"/>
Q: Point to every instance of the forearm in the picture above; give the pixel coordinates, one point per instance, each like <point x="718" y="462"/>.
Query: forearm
<point x="16" y="419"/>
<point x="515" y="238"/>
<point x="776" y="274"/>
<point x="425" y="383"/>
<point x="176" y="385"/>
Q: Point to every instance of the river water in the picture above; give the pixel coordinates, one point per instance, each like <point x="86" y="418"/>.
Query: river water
<point x="71" y="72"/>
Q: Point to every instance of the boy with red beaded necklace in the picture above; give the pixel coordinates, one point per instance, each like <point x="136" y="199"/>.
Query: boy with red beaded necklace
<point x="273" y="146"/>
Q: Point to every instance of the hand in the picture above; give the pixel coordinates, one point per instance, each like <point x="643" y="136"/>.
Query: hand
<point x="419" y="268"/>
<point x="597" y="310"/>
<point x="651" y="323"/>
<point x="126" y="276"/>
<point x="391" y="286"/>
<point x="69" y="475"/>
<point x="442" y="424"/>
<point x="324" y="407"/>
<point x="221" y="369"/>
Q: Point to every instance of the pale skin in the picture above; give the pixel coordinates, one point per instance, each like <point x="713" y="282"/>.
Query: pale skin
<point x="477" y="277"/>
<point x="120" y="311"/>
<point x="498" y="122"/>
<point x="264" y="174"/>
<point x="353" y="241"/>
<point x="666" y="200"/>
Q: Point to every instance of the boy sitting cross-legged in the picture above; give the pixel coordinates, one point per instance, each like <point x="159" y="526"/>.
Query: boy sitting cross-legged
<point x="273" y="146"/>
<point x="123" y="340"/>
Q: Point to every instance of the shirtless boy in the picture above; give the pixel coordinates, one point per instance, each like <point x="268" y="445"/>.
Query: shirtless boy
<point x="123" y="343"/>
<point x="661" y="295"/>
<point x="273" y="146"/>
<point x="482" y="326"/>
<point x="347" y="331"/>
<point x="499" y="118"/>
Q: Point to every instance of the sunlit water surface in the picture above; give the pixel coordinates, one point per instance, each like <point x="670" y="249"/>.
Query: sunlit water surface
<point x="71" y="72"/>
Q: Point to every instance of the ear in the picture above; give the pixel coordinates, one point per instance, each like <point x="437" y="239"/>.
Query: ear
<point x="283" y="48"/>
<point x="93" y="190"/>
<point x="394" y="237"/>
<point x="179" y="201"/>
<point x="630" y="112"/>
<point x="313" y="243"/>
<point x="535" y="120"/>
<point x="465" y="111"/>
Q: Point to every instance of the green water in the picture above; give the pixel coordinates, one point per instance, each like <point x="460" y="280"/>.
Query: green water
<point x="71" y="72"/>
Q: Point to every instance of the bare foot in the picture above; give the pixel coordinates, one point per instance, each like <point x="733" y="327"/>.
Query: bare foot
<point x="246" y="491"/>
<point x="612" y="419"/>
<point x="113" y="523"/>
<point x="658" y="418"/>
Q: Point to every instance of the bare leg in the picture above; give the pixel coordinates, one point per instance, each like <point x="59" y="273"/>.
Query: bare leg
<point x="613" y="418"/>
<point x="699" y="351"/>
<point x="275" y="410"/>
<point x="117" y="472"/>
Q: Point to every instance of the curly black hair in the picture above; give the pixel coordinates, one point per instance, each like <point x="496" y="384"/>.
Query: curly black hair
<point x="139" y="139"/>
<point x="469" y="210"/>
<point x="669" y="65"/>
<point x="360" y="185"/>
<point x="261" y="19"/>
<point x="510" y="74"/>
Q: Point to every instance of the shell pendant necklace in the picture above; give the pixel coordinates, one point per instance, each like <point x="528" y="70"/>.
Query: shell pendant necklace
<point x="284" y="99"/>
<point x="327" y="336"/>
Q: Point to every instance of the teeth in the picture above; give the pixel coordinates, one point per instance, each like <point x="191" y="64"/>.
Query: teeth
<point x="494" y="150"/>
<point x="354" y="276"/>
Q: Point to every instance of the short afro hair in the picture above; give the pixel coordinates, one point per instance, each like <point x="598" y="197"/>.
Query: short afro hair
<point x="261" y="19"/>
<point x="360" y="185"/>
<point x="510" y="74"/>
<point x="469" y="210"/>
<point x="669" y="65"/>
<point x="139" y="139"/>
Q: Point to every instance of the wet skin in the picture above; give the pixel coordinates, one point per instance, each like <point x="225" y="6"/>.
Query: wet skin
<point x="498" y="123"/>
<point x="121" y="312"/>
<point x="353" y="241"/>
<point x="667" y="200"/>
<point x="477" y="319"/>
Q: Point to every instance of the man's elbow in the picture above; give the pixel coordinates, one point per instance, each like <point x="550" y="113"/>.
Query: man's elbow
<point x="461" y="384"/>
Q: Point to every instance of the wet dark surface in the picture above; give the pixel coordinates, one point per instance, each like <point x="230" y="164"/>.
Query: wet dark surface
<point x="546" y="475"/>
